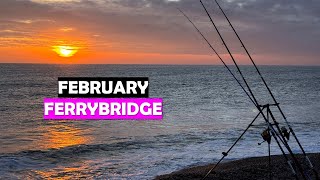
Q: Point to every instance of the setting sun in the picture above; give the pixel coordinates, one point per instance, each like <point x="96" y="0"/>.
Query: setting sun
<point x="65" y="51"/>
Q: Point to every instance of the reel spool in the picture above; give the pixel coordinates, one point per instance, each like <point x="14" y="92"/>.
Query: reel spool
<point x="266" y="136"/>
<point x="285" y="132"/>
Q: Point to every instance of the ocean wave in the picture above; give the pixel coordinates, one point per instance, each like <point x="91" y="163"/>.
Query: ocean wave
<point x="77" y="151"/>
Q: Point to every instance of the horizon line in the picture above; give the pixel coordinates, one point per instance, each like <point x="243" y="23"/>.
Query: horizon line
<point x="34" y="63"/>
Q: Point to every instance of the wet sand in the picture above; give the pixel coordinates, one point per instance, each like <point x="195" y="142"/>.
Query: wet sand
<point x="244" y="169"/>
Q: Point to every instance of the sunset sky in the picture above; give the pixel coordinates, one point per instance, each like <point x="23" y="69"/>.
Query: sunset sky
<point x="155" y="32"/>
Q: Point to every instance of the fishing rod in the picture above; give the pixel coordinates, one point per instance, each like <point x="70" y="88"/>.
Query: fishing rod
<point x="269" y="90"/>
<point x="256" y="102"/>
<point x="225" y="154"/>
<point x="244" y="80"/>
<point x="258" y="106"/>
<point x="225" y="65"/>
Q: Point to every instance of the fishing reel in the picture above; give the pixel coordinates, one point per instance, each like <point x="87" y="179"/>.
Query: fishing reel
<point x="285" y="132"/>
<point x="266" y="136"/>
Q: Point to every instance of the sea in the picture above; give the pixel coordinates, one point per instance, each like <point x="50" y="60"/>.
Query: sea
<point x="205" y="111"/>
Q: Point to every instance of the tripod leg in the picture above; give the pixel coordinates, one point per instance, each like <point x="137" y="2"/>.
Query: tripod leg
<point x="226" y="153"/>
<point x="269" y="151"/>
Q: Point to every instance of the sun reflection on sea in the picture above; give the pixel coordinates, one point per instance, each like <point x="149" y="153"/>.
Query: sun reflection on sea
<point x="60" y="135"/>
<point x="62" y="173"/>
